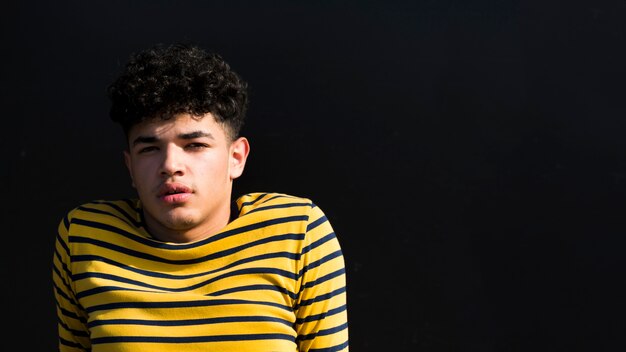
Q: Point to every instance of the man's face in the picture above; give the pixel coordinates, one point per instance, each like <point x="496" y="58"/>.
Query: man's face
<point x="183" y="169"/>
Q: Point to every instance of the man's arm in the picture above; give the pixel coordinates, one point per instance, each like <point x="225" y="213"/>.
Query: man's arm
<point x="72" y="321"/>
<point x="321" y="311"/>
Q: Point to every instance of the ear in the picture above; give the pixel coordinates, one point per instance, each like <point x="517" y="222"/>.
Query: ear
<point x="129" y="166"/>
<point x="239" y="151"/>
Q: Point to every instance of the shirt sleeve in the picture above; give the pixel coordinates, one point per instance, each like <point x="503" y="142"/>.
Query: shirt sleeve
<point x="321" y="311"/>
<point x="72" y="319"/>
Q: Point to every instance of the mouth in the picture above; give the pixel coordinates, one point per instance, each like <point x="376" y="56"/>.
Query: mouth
<point x="169" y="189"/>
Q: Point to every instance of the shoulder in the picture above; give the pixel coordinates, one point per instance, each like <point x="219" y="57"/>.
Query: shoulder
<point x="257" y="200"/>
<point x="275" y="204"/>
<point x="113" y="212"/>
<point x="301" y="214"/>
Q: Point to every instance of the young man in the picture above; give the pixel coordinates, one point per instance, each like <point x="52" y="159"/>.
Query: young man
<point x="183" y="267"/>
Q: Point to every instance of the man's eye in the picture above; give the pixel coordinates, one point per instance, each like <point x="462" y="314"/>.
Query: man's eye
<point x="146" y="149"/>
<point x="196" y="146"/>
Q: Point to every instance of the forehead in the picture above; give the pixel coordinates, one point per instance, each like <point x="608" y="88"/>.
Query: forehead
<point x="177" y="125"/>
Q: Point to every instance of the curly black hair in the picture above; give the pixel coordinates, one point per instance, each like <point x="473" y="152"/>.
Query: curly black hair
<point x="163" y="81"/>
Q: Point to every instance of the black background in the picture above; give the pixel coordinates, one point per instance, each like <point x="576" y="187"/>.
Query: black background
<point x="470" y="154"/>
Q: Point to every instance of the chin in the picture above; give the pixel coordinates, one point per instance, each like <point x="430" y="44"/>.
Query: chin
<point x="183" y="223"/>
<point x="180" y="221"/>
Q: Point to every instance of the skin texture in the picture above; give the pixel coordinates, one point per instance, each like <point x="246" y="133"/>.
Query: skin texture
<point x="183" y="170"/>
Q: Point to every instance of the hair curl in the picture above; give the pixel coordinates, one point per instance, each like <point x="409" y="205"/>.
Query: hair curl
<point x="163" y="81"/>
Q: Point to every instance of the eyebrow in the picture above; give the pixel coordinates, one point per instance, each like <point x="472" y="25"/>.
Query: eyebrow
<point x="189" y="135"/>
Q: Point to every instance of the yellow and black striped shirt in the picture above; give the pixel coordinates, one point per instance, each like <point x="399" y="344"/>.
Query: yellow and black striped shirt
<point x="272" y="280"/>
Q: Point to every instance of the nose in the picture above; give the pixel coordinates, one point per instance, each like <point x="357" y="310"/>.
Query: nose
<point x="173" y="162"/>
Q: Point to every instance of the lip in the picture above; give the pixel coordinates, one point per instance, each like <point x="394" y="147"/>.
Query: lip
<point x="174" y="193"/>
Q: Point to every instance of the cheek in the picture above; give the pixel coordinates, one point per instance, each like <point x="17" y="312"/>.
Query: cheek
<point x="140" y="174"/>
<point x="214" y="173"/>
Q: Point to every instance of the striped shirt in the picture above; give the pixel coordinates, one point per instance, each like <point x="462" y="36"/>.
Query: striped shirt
<point x="272" y="280"/>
